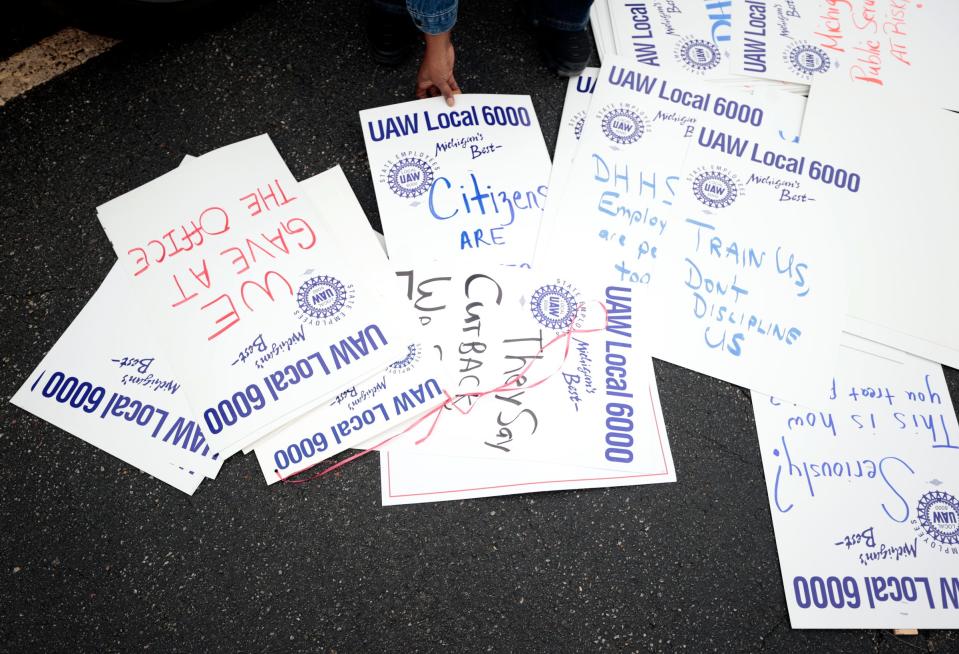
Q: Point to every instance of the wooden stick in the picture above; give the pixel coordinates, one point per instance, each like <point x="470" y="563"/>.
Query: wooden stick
<point x="905" y="632"/>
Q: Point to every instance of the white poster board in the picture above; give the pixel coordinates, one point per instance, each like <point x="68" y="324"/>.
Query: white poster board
<point x="105" y="382"/>
<point x="465" y="181"/>
<point x="611" y="214"/>
<point x="226" y="253"/>
<point x="579" y="92"/>
<point x="750" y="287"/>
<point x="863" y="494"/>
<point x="899" y="236"/>
<point x="596" y="407"/>
<point x="902" y="47"/>
<point x="368" y="408"/>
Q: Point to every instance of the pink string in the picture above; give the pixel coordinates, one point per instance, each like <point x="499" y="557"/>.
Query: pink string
<point x="437" y="411"/>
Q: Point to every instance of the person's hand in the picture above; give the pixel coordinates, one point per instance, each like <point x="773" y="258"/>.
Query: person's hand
<point x="436" y="72"/>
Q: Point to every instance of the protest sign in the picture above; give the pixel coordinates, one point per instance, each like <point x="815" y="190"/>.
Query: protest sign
<point x="539" y="371"/>
<point x="862" y="490"/>
<point x="613" y="210"/>
<point x="228" y="254"/>
<point x="691" y="37"/>
<point x="584" y="402"/>
<point x="368" y="408"/>
<point x="105" y="383"/>
<point x="750" y="286"/>
<point x="903" y="47"/>
<point x="466" y="181"/>
<point x="682" y="38"/>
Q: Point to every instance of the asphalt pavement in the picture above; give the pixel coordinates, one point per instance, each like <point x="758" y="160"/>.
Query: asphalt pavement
<point x="97" y="556"/>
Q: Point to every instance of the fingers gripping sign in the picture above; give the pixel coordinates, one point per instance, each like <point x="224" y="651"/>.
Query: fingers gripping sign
<point x="435" y="76"/>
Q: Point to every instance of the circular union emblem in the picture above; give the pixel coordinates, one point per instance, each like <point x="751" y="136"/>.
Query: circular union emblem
<point x="715" y="189"/>
<point x="412" y="356"/>
<point x="622" y="125"/>
<point x="554" y="307"/>
<point x="698" y="54"/>
<point x="938" y="513"/>
<point x="409" y="177"/>
<point x="578" y="123"/>
<point x="322" y="296"/>
<point x="807" y="60"/>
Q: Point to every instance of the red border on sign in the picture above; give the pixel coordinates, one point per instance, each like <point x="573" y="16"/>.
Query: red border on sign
<point x="662" y="451"/>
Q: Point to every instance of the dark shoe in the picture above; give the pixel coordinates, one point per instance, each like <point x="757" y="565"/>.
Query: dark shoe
<point x="392" y="36"/>
<point x="567" y="53"/>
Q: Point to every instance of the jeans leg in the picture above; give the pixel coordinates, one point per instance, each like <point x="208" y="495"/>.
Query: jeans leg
<point x="566" y="15"/>
<point x="433" y="16"/>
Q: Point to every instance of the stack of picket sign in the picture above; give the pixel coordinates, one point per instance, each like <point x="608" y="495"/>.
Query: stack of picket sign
<point x="278" y="325"/>
<point x="258" y="316"/>
<point x="788" y="46"/>
<point x="780" y="263"/>
<point x="505" y="345"/>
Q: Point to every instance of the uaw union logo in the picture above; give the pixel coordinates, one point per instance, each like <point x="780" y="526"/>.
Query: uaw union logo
<point x="938" y="516"/>
<point x="577" y="123"/>
<point x="414" y="353"/>
<point x="697" y="55"/>
<point x="806" y="59"/>
<point x="323" y="299"/>
<point x="557" y="306"/>
<point x="622" y="123"/>
<point x="715" y="186"/>
<point x="410" y="175"/>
